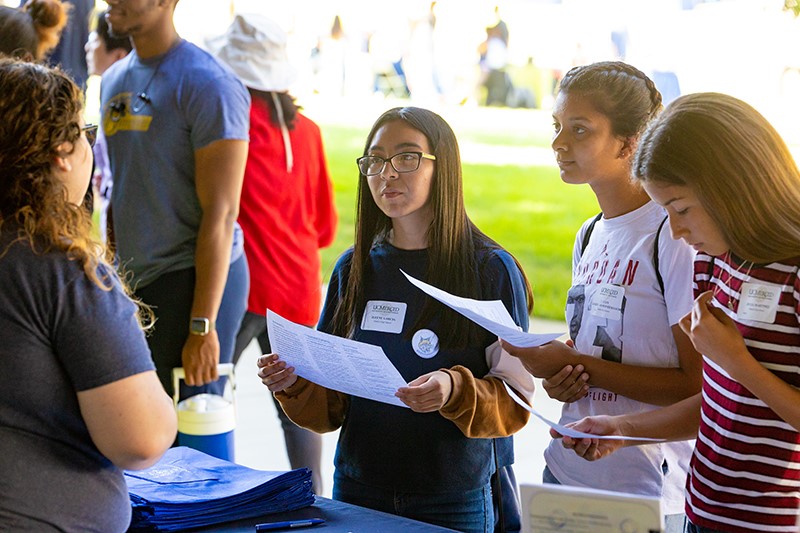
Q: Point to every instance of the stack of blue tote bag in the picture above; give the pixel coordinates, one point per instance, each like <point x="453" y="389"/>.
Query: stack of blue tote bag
<point x="188" y="488"/>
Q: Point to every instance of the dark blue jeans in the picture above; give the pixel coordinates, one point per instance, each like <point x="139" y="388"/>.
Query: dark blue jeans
<point x="461" y="510"/>
<point x="688" y="527"/>
<point x="549" y="478"/>
<point x="171" y="297"/>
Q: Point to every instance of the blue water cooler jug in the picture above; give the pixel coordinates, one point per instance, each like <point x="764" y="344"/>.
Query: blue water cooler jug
<point x="206" y="422"/>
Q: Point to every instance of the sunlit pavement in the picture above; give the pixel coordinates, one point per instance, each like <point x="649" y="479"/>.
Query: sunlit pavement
<point x="259" y="439"/>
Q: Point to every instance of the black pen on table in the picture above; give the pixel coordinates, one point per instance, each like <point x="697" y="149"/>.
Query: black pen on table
<point x="289" y="524"/>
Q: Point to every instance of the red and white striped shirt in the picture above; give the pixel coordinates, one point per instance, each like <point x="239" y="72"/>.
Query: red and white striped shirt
<point x="745" y="471"/>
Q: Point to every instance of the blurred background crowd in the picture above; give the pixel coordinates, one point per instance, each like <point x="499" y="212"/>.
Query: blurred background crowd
<point x="490" y="68"/>
<point x="512" y="53"/>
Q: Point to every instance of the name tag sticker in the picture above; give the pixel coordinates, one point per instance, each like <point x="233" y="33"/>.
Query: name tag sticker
<point x="386" y="317"/>
<point x="607" y="301"/>
<point x="759" y="302"/>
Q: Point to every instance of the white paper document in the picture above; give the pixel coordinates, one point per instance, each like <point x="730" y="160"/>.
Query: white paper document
<point x="344" y="365"/>
<point x="564" y="430"/>
<point x="491" y="315"/>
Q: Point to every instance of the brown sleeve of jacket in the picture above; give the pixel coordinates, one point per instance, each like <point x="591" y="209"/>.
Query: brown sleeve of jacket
<point x="481" y="408"/>
<point x="312" y="406"/>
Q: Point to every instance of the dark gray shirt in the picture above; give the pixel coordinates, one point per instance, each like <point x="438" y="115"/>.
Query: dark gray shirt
<point x="59" y="334"/>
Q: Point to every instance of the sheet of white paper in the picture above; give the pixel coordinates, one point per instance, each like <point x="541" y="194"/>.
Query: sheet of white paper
<point x="564" y="430"/>
<point x="491" y="315"/>
<point x="344" y="365"/>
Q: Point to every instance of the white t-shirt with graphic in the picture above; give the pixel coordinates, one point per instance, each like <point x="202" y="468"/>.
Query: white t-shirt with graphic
<point x="615" y="310"/>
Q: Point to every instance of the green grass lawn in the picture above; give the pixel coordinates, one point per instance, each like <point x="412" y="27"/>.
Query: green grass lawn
<point x="527" y="209"/>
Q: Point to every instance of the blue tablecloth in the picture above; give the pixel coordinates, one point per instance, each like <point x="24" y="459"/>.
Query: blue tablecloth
<point x="339" y="518"/>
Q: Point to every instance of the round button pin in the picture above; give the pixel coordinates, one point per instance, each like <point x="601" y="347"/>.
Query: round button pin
<point x="425" y="343"/>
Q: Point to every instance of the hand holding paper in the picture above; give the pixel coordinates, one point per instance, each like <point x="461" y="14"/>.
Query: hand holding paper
<point x="427" y="393"/>
<point x="568" y="385"/>
<point x="568" y="431"/>
<point x="543" y="361"/>
<point x="335" y="363"/>
<point x="275" y="373"/>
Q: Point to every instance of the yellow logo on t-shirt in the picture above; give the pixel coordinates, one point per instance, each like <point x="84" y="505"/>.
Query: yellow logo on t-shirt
<point x="117" y="116"/>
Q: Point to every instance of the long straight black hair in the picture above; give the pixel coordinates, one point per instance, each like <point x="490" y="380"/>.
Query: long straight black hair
<point x="452" y="237"/>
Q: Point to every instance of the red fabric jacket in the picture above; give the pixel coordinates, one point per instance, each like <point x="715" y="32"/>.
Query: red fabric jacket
<point x="286" y="217"/>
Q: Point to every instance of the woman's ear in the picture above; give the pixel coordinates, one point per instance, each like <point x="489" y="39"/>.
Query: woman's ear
<point x="61" y="158"/>
<point x="628" y="147"/>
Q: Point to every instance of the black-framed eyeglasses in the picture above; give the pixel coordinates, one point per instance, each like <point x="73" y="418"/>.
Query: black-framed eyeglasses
<point x="371" y="165"/>
<point x="90" y="130"/>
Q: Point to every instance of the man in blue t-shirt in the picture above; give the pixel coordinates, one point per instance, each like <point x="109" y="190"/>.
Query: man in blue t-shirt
<point x="176" y="123"/>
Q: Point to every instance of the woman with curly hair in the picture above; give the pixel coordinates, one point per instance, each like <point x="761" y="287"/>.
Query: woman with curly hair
<point x="79" y="396"/>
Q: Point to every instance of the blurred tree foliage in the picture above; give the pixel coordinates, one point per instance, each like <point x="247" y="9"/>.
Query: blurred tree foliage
<point x="793" y="6"/>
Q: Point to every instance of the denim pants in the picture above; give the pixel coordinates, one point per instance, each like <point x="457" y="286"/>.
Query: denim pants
<point x="170" y="296"/>
<point x="688" y="527"/>
<point x="469" y="510"/>
<point x="673" y="523"/>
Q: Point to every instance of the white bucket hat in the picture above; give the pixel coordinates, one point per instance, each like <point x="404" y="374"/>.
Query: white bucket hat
<point x="254" y="47"/>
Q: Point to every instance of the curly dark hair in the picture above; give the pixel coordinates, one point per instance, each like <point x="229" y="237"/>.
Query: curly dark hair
<point x="41" y="109"/>
<point x="453" y="237"/>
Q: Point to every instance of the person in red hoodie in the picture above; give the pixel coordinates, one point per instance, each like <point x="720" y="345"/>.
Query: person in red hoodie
<point x="287" y="212"/>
